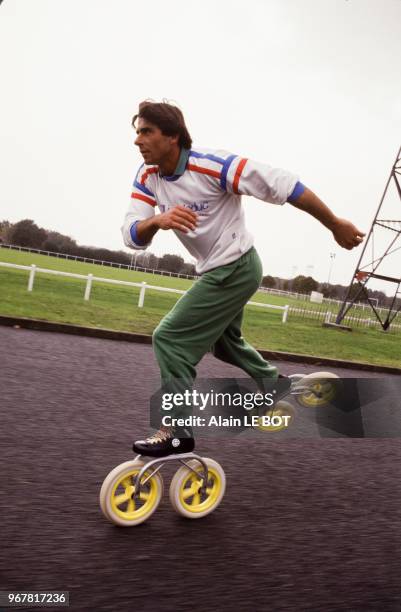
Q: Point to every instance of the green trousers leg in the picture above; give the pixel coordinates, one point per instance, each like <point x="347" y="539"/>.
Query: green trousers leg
<point x="232" y="348"/>
<point x="208" y="318"/>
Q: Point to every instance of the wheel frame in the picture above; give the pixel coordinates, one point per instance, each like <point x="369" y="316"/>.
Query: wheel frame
<point x="314" y="402"/>
<point x="296" y="377"/>
<point x="110" y="485"/>
<point x="180" y="479"/>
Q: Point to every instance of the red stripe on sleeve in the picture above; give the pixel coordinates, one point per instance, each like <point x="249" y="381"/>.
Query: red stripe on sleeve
<point x="204" y="170"/>
<point x="147" y="172"/>
<point x="238" y="174"/>
<point x="144" y="198"/>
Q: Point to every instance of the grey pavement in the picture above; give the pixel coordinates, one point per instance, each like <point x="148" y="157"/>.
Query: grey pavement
<point x="306" y="524"/>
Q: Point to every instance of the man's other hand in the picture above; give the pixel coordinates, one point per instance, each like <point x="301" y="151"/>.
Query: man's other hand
<point x="346" y="234"/>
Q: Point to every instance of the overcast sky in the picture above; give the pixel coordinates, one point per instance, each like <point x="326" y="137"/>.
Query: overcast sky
<point x="309" y="85"/>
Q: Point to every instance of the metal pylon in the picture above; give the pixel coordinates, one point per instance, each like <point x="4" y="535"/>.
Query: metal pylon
<point x="362" y="275"/>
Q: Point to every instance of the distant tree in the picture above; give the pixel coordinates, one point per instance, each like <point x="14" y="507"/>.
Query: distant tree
<point x="338" y="291"/>
<point x="139" y="258"/>
<point x="329" y="291"/>
<point x="58" y="243"/>
<point x="152" y="261"/>
<point x="122" y="257"/>
<point x="188" y="268"/>
<point x="103" y="254"/>
<point x="379" y="295"/>
<point x="304" y="284"/>
<point x="341" y="291"/>
<point x="354" y="291"/>
<point x="310" y="285"/>
<point x="27" y="234"/>
<point x="171" y="263"/>
<point x="268" y="281"/>
<point x="5" y="231"/>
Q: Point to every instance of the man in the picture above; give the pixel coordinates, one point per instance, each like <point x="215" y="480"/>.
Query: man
<point x="198" y="193"/>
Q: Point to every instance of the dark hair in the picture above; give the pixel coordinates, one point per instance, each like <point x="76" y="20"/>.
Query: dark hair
<point x="168" y="118"/>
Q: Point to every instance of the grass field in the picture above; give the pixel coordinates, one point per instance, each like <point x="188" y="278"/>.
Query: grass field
<point x="64" y="265"/>
<point x="113" y="307"/>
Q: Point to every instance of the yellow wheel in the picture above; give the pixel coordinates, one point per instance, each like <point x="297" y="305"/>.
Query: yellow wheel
<point x="277" y="417"/>
<point x="116" y="495"/>
<point x="187" y="494"/>
<point x="323" y="389"/>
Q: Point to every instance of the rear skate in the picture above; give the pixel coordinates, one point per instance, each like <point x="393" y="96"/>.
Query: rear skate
<point x="310" y="391"/>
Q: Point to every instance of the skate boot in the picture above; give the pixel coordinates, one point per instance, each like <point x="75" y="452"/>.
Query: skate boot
<point x="166" y="441"/>
<point x="281" y="385"/>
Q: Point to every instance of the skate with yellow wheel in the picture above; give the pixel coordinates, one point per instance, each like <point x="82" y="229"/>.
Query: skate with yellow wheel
<point x="132" y="491"/>
<point x="310" y="391"/>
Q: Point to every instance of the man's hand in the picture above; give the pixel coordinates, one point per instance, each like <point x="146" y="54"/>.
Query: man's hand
<point x="346" y="234"/>
<point x="178" y="218"/>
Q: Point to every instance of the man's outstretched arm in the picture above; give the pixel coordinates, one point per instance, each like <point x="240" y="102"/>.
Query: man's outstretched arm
<point x="277" y="186"/>
<point x="344" y="232"/>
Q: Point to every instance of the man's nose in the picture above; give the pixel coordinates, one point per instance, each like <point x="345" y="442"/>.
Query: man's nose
<point x="137" y="140"/>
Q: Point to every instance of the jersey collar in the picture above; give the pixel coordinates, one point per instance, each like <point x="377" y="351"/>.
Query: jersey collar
<point x="181" y="165"/>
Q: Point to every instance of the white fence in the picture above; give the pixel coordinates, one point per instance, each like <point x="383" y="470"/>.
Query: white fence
<point x="99" y="262"/>
<point x="89" y="278"/>
<point x="299" y="296"/>
<point x="306" y="298"/>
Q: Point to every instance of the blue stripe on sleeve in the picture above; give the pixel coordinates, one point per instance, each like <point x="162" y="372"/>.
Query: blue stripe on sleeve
<point x="224" y="171"/>
<point x="136" y="175"/>
<point x="297" y="191"/>
<point x="138" y="185"/>
<point x="214" y="158"/>
<point x="134" y="236"/>
<point x="143" y="188"/>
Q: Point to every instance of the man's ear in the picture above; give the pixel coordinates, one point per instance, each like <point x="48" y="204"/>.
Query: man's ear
<point x="175" y="139"/>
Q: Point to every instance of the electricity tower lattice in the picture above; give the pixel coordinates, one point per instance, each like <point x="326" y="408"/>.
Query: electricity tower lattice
<point x="364" y="273"/>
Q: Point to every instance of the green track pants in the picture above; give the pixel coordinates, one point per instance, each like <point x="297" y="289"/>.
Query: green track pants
<point x="208" y="318"/>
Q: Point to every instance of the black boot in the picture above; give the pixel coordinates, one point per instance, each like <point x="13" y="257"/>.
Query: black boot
<point x="166" y="441"/>
<point x="284" y="383"/>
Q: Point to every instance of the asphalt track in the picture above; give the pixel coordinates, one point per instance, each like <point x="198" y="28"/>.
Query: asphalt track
<point x="311" y="524"/>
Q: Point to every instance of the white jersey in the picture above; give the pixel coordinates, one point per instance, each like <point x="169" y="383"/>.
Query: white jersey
<point x="211" y="185"/>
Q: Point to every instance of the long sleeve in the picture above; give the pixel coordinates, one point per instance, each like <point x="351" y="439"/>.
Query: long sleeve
<point x="247" y="177"/>
<point x="142" y="206"/>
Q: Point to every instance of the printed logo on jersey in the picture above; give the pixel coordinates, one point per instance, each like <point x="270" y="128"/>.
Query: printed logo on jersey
<point x="198" y="207"/>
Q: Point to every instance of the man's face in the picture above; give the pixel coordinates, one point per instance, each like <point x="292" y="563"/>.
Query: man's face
<point x="154" y="146"/>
